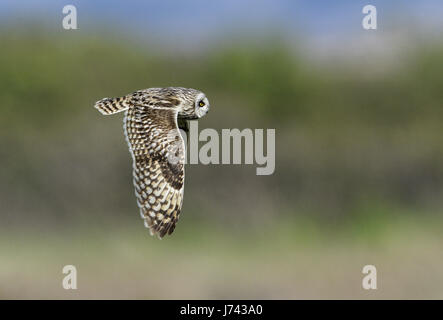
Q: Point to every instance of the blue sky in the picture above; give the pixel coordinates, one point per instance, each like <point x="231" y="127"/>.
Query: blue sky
<point x="194" y="22"/>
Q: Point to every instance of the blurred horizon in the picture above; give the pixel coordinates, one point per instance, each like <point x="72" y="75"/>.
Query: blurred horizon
<point x="195" y="25"/>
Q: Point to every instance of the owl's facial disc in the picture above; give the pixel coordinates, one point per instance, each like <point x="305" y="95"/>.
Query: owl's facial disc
<point x="201" y="105"/>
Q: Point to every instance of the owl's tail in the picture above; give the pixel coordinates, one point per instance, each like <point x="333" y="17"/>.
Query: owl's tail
<point x="109" y="106"/>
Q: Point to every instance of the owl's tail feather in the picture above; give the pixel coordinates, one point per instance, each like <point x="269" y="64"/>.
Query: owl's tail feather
<point x="109" y="106"/>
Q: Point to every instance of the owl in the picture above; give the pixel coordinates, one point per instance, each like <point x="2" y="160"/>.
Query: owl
<point x="151" y="125"/>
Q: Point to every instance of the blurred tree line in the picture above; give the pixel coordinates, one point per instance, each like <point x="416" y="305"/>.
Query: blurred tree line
<point x="348" y="141"/>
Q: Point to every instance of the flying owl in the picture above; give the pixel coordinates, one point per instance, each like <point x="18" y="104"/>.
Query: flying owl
<point x="151" y="125"/>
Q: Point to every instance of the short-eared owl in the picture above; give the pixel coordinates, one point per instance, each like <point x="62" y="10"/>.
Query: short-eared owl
<point x="152" y="121"/>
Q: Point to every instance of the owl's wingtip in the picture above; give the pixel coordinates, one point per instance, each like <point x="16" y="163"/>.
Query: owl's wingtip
<point x="152" y="232"/>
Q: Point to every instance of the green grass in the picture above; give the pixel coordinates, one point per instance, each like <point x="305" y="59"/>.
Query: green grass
<point x="285" y="259"/>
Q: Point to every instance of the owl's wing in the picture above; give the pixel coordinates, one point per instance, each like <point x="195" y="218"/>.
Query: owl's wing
<point x="158" y="152"/>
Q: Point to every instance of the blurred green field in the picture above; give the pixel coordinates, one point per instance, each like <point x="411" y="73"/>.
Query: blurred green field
<point x="280" y="260"/>
<point x="358" y="180"/>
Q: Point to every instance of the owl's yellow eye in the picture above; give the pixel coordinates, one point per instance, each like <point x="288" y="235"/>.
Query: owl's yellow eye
<point x="201" y="104"/>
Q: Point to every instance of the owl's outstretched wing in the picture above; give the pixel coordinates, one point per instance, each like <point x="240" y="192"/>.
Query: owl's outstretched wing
<point x="157" y="149"/>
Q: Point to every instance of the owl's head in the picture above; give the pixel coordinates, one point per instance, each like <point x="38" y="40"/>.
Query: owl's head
<point x="194" y="103"/>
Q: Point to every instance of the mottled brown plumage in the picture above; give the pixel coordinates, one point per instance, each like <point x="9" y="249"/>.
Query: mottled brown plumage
<point x="157" y="148"/>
